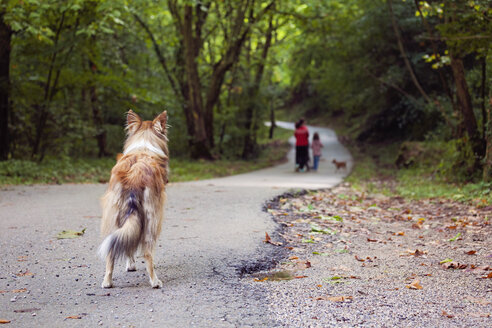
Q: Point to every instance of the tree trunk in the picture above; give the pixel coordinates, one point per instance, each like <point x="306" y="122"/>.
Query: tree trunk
<point x="220" y="69"/>
<point x="483" y="92"/>
<point x="49" y="89"/>
<point x="273" y="125"/>
<point x="200" y="145"/>
<point x="487" y="167"/>
<point x="98" y="121"/>
<point x="466" y="107"/>
<point x="251" y="119"/>
<point x="199" y="112"/>
<point x="5" y="46"/>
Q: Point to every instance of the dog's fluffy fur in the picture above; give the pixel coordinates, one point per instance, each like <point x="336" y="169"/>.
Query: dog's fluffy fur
<point x="133" y="205"/>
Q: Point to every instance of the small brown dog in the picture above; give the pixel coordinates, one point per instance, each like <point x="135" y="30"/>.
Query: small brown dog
<point x="340" y="165"/>
<point x="133" y="205"/>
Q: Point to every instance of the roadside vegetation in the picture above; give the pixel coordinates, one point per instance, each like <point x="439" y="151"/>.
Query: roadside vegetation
<point x="430" y="174"/>
<point x="57" y="170"/>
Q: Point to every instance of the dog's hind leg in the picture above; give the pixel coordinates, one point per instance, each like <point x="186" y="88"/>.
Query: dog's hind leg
<point x="154" y="281"/>
<point x="130" y="263"/>
<point x="108" y="277"/>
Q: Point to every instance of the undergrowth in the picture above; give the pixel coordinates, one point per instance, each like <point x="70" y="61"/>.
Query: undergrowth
<point x="58" y="170"/>
<point x="435" y="172"/>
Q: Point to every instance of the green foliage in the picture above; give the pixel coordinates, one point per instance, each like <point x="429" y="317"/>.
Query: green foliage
<point x="438" y="171"/>
<point x="64" y="169"/>
<point x="55" y="171"/>
<point x="76" y="67"/>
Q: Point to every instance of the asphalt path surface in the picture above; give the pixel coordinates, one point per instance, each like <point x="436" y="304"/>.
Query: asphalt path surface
<point x="212" y="239"/>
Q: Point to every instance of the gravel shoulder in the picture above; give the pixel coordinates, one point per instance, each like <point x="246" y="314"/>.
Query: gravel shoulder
<point x="360" y="260"/>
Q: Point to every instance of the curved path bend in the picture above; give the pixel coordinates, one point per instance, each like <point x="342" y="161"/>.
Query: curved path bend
<point x="213" y="232"/>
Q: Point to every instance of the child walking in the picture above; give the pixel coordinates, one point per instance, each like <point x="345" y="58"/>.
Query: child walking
<point x="316" y="145"/>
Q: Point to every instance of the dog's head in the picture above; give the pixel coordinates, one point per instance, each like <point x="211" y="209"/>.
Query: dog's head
<point x="134" y="124"/>
<point x="152" y="133"/>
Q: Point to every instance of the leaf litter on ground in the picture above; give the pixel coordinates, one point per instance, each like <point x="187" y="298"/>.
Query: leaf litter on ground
<point x="424" y="228"/>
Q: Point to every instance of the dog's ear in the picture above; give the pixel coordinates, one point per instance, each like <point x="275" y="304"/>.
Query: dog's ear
<point x="133" y="122"/>
<point x="159" y="123"/>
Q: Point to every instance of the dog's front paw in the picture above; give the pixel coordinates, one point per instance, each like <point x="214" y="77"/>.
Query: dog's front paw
<point x="131" y="267"/>
<point x="107" y="284"/>
<point x="156" y="283"/>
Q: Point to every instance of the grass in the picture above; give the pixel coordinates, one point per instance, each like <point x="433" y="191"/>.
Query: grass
<point x="55" y="170"/>
<point x="375" y="172"/>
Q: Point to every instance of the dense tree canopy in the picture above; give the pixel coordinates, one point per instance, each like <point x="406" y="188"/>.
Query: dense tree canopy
<point x="390" y="69"/>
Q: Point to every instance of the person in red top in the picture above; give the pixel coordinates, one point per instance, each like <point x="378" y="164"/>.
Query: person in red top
<point x="302" y="145"/>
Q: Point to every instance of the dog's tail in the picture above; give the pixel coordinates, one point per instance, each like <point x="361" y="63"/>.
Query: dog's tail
<point x="126" y="239"/>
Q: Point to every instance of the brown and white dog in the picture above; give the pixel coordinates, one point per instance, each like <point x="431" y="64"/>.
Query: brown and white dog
<point x="133" y="205"/>
<point x="340" y="165"/>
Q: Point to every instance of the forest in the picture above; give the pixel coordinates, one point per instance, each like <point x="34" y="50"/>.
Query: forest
<point x="388" y="71"/>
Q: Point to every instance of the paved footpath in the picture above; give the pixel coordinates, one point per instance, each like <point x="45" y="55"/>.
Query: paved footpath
<point x="213" y="234"/>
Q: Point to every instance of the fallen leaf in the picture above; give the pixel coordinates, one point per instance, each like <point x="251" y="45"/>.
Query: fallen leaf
<point x="418" y="224"/>
<point x="418" y="253"/>
<point x="69" y="234"/>
<point x="23" y="290"/>
<point x="322" y="254"/>
<point x="454" y="265"/>
<point x="445" y="314"/>
<point x="335" y="298"/>
<point x="415" y="253"/>
<point x="489" y="276"/>
<point x="300" y="277"/>
<point x="470" y="252"/>
<point x="481" y="268"/>
<point x="414" y="285"/>
<point x="358" y="258"/>
<point x="446" y="261"/>
<point x="293" y="258"/>
<point x="399" y="233"/>
<point x="318" y="229"/>
<point x="2" y="321"/>
<point x="371" y="240"/>
<point x="25" y="273"/>
<point x="74" y="317"/>
<point x="261" y="280"/>
<point x="334" y="279"/>
<point x="455" y="237"/>
<point x="268" y="240"/>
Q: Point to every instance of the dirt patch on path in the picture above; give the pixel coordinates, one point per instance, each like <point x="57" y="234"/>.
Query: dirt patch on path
<point x="369" y="260"/>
